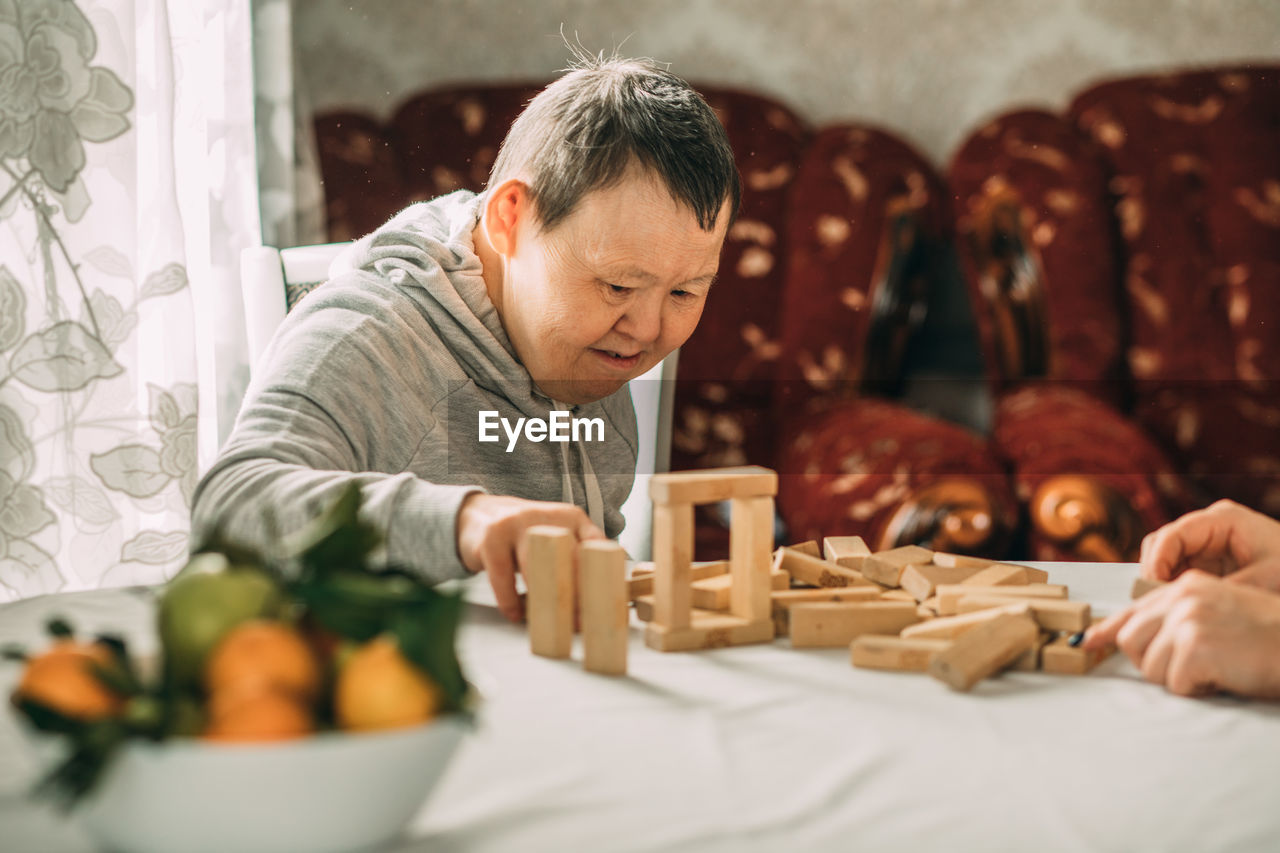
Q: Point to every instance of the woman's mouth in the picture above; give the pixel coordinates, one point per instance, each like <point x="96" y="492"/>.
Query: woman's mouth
<point x="617" y="360"/>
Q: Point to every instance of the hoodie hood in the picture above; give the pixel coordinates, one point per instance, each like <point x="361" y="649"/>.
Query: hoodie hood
<point x="446" y="280"/>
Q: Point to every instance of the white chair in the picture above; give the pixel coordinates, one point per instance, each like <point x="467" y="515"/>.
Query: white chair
<point x="267" y="275"/>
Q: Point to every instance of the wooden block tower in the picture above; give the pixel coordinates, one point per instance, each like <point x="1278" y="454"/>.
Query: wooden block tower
<point x="676" y="625"/>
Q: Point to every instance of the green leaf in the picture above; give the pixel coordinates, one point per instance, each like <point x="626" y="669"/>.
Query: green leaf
<point x="60" y="628"/>
<point x="336" y="539"/>
<point x="426" y="632"/>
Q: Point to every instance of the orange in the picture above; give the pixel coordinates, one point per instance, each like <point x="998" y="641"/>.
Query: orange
<point x="62" y="680"/>
<point x="257" y="715"/>
<point x="263" y="655"/>
<point x="378" y="688"/>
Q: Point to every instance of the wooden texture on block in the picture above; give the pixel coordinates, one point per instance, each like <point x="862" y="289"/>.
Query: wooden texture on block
<point x="898" y="595"/>
<point x="984" y="651"/>
<point x="1060" y="658"/>
<point x="714" y="593"/>
<point x="1036" y="575"/>
<point x="750" y="544"/>
<point x="886" y="567"/>
<point x="672" y="562"/>
<point x="847" y="551"/>
<point x="549" y="578"/>
<point x="1052" y="614"/>
<point x="1142" y="586"/>
<point x="921" y="581"/>
<point x="815" y="571"/>
<point x="712" y="485"/>
<point x="810" y="547"/>
<point x="877" y="651"/>
<point x="784" y="598"/>
<point x="602" y="574"/>
<point x="950" y="594"/>
<point x="958" y="561"/>
<point x="643" y="585"/>
<point x="1029" y="661"/>
<point x="829" y="625"/>
<point x="708" y="631"/>
<point x="950" y="627"/>
<point x="998" y="574"/>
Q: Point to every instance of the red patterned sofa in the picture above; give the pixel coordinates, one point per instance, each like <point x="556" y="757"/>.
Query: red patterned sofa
<point x="820" y="282"/>
<point x="1124" y="259"/>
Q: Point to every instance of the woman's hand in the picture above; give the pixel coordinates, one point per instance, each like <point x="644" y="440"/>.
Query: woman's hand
<point x="1225" y="539"/>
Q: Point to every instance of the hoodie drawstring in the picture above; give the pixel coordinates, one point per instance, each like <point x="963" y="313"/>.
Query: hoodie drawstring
<point x="595" y="498"/>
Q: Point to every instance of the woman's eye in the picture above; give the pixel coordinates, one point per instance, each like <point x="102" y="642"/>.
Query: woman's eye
<point x="682" y="294"/>
<point x="617" y="289"/>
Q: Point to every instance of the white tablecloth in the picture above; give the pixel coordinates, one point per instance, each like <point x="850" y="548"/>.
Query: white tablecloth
<point x="769" y="749"/>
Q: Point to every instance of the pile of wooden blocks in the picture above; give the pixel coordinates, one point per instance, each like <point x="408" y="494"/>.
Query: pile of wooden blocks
<point x="959" y="618"/>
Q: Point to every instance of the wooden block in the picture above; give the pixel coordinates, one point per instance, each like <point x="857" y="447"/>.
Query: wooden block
<point x="750" y="543"/>
<point x="847" y="551"/>
<point x="1029" y="661"/>
<point x="999" y="574"/>
<point x="602" y="572"/>
<point x="1036" y="575"/>
<point x="549" y="578"/>
<point x="984" y="651"/>
<point x="810" y="547"/>
<point x="783" y="599"/>
<point x="714" y="593"/>
<point x="877" y="651"/>
<point x="950" y="627"/>
<point x="712" y="485"/>
<point x="642" y="568"/>
<point x="950" y="594"/>
<point x="1142" y="586"/>
<point x="886" y="567"/>
<point x="644" y="607"/>
<point x="816" y="572"/>
<point x="920" y="581"/>
<point x="829" y="625"/>
<point x="1061" y="658"/>
<point x="1052" y="614"/>
<point x="697" y="571"/>
<point x="672" y="561"/>
<point x="926" y="613"/>
<point x="898" y="595"/>
<point x="957" y="561"/>
<point x="708" y="631"/>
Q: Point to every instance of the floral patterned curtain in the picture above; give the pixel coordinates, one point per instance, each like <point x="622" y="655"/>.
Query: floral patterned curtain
<point x="127" y="190"/>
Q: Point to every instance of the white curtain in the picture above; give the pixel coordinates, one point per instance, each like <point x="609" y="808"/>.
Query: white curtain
<point x="127" y="190"/>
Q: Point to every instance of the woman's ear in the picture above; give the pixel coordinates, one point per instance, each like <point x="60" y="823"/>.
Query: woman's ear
<point x="506" y="206"/>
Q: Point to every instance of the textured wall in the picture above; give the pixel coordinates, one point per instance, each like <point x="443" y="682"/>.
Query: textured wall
<point x="931" y="69"/>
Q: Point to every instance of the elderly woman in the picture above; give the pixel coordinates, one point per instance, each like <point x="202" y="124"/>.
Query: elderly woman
<point x="442" y="370"/>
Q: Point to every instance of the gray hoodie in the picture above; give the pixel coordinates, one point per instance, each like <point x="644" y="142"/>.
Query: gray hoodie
<point x="379" y="377"/>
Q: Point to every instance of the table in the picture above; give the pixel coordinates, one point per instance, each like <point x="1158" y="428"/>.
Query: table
<point x="765" y="749"/>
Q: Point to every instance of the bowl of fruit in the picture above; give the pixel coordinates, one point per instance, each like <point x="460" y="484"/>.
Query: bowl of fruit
<point x="302" y="702"/>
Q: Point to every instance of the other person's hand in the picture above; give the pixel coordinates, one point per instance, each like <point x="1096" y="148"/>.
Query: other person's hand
<point x="1200" y="635"/>
<point x="1225" y="539"/>
<point x="491" y="539"/>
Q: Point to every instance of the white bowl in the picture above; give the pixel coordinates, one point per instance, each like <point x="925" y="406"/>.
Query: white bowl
<point x="322" y="794"/>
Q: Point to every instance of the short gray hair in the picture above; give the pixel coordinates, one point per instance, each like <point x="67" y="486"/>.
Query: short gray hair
<point x="581" y="133"/>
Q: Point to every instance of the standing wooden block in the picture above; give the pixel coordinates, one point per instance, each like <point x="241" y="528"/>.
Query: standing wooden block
<point x="829" y="625"/>
<point x="750" y="543"/>
<point x="1060" y="658"/>
<point x="886" y="567"/>
<point x="877" y="651"/>
<point x="1142" y="586"/>
<point x="1052" y="614"/>
<point x="602" y="567"/>
<point x="949" y="595"/>
<point x="712" y="485"/>
<point x="549" y="577"/>
<point x="846" y="551"/>
<point x="984" y="651"/>
<point x="950" y="627"/>
<point x="998" y="574"/>
<point x="921" y="581"/>
<point x="672" y="560"/>
<point x="816" y="572"/>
